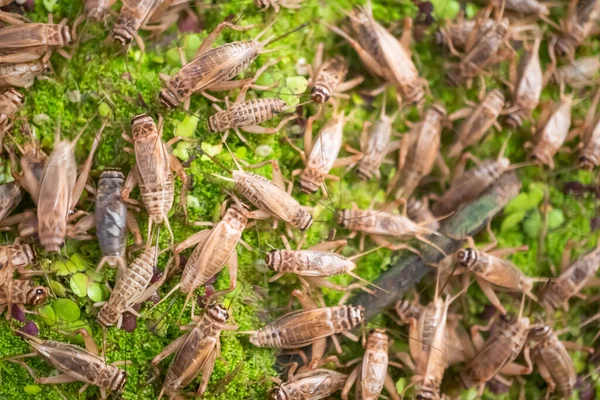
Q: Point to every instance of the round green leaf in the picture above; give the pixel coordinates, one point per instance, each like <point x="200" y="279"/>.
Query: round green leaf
<point x="63" y="268"/>
<point x="47" y="315"/>
<point x="95" y="276"/>
<point x="512" y="221"/>
<point x="519" y="203"/>
<point x="81" y="263"/>
<point x="32" y="389"/>
<point x="533" y="224"/>
<point x="181" y="150"/>
<point x="97" y="292"/>
<point x="193" y="203"/>
<point x="191" y="45"/>
<point x="556" y="218"/>
<point x="66" y="310"/>
<point x="297" y="84"/>
<point x="186" y="127"/>
<point x="291" y="99"/>
<point x="79" y="284"/>
<point x="104" y="110"/>
<point x="172" y="57"/>
<point x="58" y="289"/>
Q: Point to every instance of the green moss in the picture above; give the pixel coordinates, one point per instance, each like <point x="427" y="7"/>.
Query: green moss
<point x="119" y="84"/>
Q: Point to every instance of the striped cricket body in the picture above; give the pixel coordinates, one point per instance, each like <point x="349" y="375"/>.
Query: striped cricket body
<point x="502" y="347"/>
<point x="129" y="288"/>
<point x="558" y="291"/>
<point x="470" y="185"/>
<point x="249" y="112"/>
<point x="301" y="328"/>
<point x="551" y="356"/>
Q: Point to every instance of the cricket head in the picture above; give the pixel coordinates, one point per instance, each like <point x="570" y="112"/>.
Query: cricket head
<point x="218" y="313"/>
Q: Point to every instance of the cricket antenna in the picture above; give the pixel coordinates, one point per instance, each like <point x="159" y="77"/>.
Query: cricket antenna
<point x="304" y="25"/>
<point x="219" y="163"/>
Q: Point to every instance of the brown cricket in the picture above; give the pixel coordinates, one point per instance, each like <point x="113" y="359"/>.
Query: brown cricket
<point x="523" y="7"/>
<point x="322" y="156"/>
<point x="131" y="288"/>
<point x="553" y="361"/>
<point x="310" y="326"/>
<point x="314" y="265"/>
<point x="15" y="257"/>
<point x="479" y="118"/>
<point x="573" y="278"/>
<point x="375" y="145"/>
<point x="418" y="211"/>
<point x="382" y="226"/>
<point x="195" y="352"/>
<point x="327" y="77"/>
<point x="77" y="364"/>
<point x="490" y="48"/>
<point x="579" y="73"/>
<point x="134" y="13"/>
<point x="153" y="171"/>
<point x="468" y="185"/>
<point x="11" y="101"/>
<point x="23" y="42"/>
<point x="247" y="115"/>
<point x="461" y="34"/>
<point x="493" y="271"/>
<point x="21" y="293"/>
<point x="371" y="375"/>
<point x="418" y="152"/>
<point x="21" y="74"/>
<point x="277" y="4"/>
<point x="553" y="129"/>
<point x="527" y="86"/>
<point x="308" y="383"/>
<point x="589" y="154"/>
<point x="214" y="248"/>
<point x="269" y="196"/>
<point x="496" y="355"/>
<point x="96" y="10"/>
<point x="582" y="17"/>
<point x="11" y="195"/>
<point x="60" y="188"/>
<point x="214" y="69"/>
<point x="384" y="55"/>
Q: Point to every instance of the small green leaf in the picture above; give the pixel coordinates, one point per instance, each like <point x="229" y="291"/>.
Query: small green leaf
<point x="47" y="315"/>
<point x="234" y="293"/>
<point x="191" y="45"/>
<point x="470" y="394"/>
<point x="519" y="203"/>
<point x="536" y="194"/>
<point x="32" y="389"/>
<point x="79" y="284"/>
<point x="556" y="218"/>
<point x="172" y="57"/>
<point x="211" y="150"/>
<point x="186" y="127"/>
<point x="49" y="5"/>
<point x="512" y="221"/>
<point x="533" y="224"/>
<point x="270" y="78"/>
<point x="58" y="288"/>
<point x="66" y="310"/>
<point x="286" y="95"/>
<point x="445" y="9"/>
<point x="97" y="292"/>
<point x="401" y="385"/>
<point x="63" y="268"/>
<point x="296" y="84"/>
<point x="81" y="263"/>
<point x="193" y="203"/>
<point x="104" y="110"/>
<point x="181" y="150"/>
<point x="95" y="276"/>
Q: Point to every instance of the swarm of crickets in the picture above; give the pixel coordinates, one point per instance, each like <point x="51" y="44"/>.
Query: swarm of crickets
<point x="436" y="337"/>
